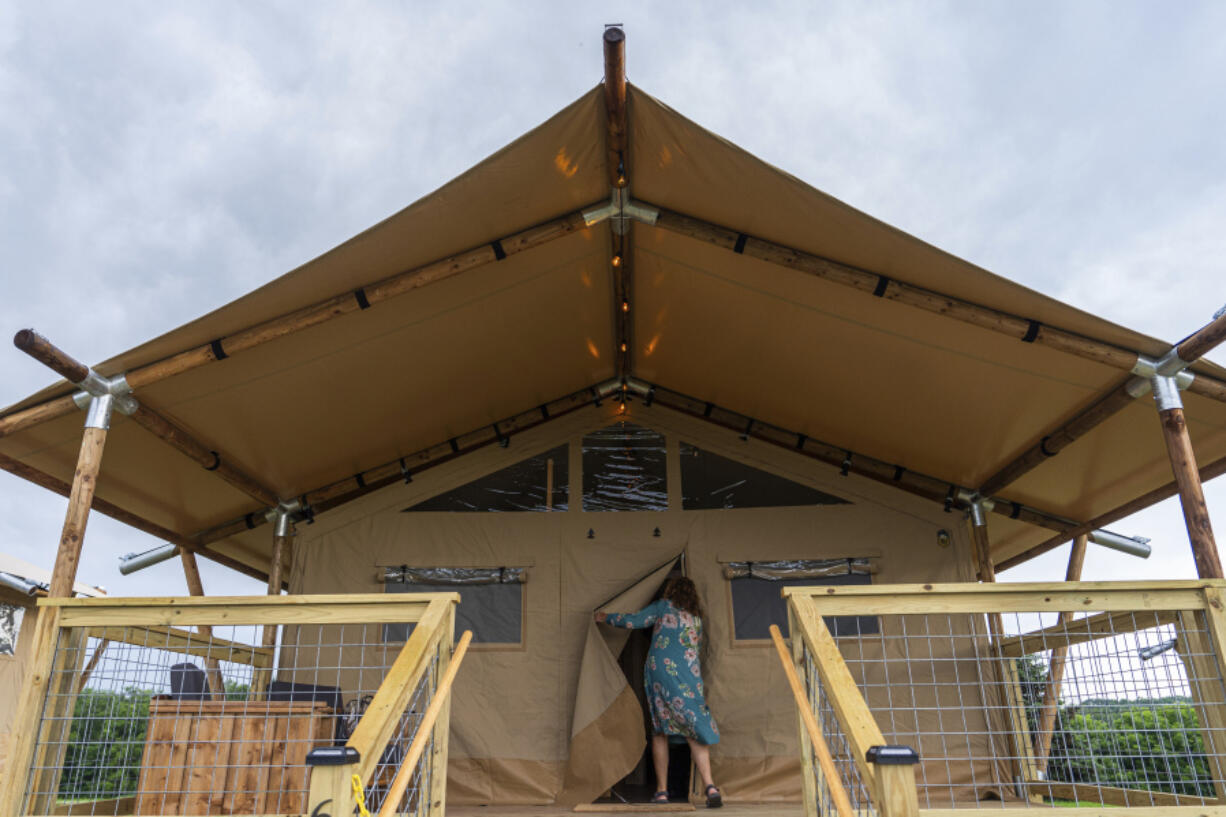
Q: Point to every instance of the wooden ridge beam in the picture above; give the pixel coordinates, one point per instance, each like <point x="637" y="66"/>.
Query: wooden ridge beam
<point x="1170" y="489"/>
<point x="308" y="316"/>
<point x="928" y="300"/>
<point x="1108" y="405"/>
<point x="615" y="105"/>
<point x="44" y="480"/>
<point x="618" y="163"/>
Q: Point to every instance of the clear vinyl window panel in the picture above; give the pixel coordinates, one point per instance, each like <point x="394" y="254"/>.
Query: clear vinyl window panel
<point x="10" y="626"/>
<point x="757" y="602"/>
<point x="711" y="482"/>
<point x="493" y="611"/>
<point x="624" y="469"/>
<point x="537" y="484"/>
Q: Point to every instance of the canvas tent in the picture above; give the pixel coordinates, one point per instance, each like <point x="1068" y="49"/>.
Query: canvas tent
<point x="717" y="301"/>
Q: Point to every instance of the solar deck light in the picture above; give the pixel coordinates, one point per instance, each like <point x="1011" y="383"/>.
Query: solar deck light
<point x="133" y="562"/>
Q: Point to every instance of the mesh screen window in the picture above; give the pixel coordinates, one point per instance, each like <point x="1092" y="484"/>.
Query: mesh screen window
<point x="711" y="482"/>
<point x="757" y="604"/>
<point x="524" y="486"/>
<point x="494" y="612"/>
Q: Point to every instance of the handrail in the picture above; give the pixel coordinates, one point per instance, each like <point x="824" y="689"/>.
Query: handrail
<point x="849" y="705"/>
<point x="383" y="713"/>
<point x="401" y="781"/>
<point x="834" y="781"/>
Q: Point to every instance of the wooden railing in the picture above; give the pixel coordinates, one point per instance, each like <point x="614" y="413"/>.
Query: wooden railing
<point x="238" y="741"/>
<point x="1010" y="713"/>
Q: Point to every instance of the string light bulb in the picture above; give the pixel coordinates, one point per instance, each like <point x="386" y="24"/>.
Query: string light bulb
<point x="624" y="347"/>
<point x="625" y="306"/>
<point x="617" y="261"/>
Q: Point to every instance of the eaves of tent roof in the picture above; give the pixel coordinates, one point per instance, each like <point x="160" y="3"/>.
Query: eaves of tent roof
<point x="906" y="386"/>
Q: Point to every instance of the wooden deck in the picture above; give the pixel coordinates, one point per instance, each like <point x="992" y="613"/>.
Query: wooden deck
<point x="729" y="810"/>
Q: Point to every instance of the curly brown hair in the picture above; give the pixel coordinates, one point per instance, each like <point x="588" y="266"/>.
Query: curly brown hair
<point x="683" y="594"/>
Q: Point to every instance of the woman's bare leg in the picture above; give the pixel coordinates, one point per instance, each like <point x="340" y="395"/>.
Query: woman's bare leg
<point x="659" y="756"/>
<point x="702" y="759"/>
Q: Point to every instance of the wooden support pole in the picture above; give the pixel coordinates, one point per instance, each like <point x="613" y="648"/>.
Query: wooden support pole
<point x="1055" y="670"/>
<point x="63" y="576"/>
<point x="939" y="303"/>
<point x="191" y="573"/>
<point x="1191" y="495"/>
<point x="615" y="105"/>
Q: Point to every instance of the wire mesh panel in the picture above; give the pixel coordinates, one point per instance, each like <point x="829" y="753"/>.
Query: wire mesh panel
<point x="840" y="748"/>
<point x="1012" y="709"/>
<point x="153" y="719"/>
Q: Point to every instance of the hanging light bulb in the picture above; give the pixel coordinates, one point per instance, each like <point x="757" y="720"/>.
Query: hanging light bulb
<point x="617" y="261"/>
<point x="625" y="306"/>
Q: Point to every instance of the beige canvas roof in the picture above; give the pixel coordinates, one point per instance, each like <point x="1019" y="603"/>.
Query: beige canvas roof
<point x="909" y="387"/>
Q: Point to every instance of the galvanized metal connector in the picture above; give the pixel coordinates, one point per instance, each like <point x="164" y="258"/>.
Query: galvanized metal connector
<point x="1169" y="366"/>
<point x="283" y="517"/>
<point x="132" y="562"/>
<point x="100" y="396"/>
<point x="620" y="210"/>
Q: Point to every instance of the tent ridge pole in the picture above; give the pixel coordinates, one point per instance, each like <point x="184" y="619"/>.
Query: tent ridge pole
<point x="618" y="165"/>
<point x="306" y="317"/>
<point x="932" y="301"/>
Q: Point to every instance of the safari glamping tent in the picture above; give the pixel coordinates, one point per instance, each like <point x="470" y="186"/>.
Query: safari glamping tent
<point x="621" y="349"/>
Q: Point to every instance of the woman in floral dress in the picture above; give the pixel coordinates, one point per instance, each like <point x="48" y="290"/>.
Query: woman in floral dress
<point x="672" y="678"/>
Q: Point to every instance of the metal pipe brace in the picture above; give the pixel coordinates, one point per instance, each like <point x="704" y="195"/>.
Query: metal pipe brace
<point x="620" y="210"/>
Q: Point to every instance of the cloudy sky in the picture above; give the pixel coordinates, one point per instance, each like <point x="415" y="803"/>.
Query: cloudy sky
<point x="159" y="160"/>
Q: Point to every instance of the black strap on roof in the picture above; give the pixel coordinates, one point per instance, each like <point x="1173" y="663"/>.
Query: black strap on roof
<point x="359" y="295"/>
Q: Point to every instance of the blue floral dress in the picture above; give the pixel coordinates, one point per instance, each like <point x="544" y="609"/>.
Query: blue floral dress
<point x="672" y="676"/>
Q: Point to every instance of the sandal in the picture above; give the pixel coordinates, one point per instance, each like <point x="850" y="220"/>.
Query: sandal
<point x="660" y="797"/>
<point x="714" y="799"/>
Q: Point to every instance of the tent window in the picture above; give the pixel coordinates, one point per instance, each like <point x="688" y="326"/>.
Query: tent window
<point x="624" y="470"/>
<point x="10" y="625"/>
<point x="757" y="604"/>
<point x="711" y="482"/>
<point x="491" y="600"/>
<point x="538" y="483"/>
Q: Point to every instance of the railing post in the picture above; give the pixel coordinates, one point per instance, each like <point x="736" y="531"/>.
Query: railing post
<point x="808" y="781"/>
<point x="895" y="767"/>
<point x="436" y="803"/>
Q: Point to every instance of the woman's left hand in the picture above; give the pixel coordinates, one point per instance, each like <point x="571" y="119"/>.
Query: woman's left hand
<point x="600" y="617"/>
